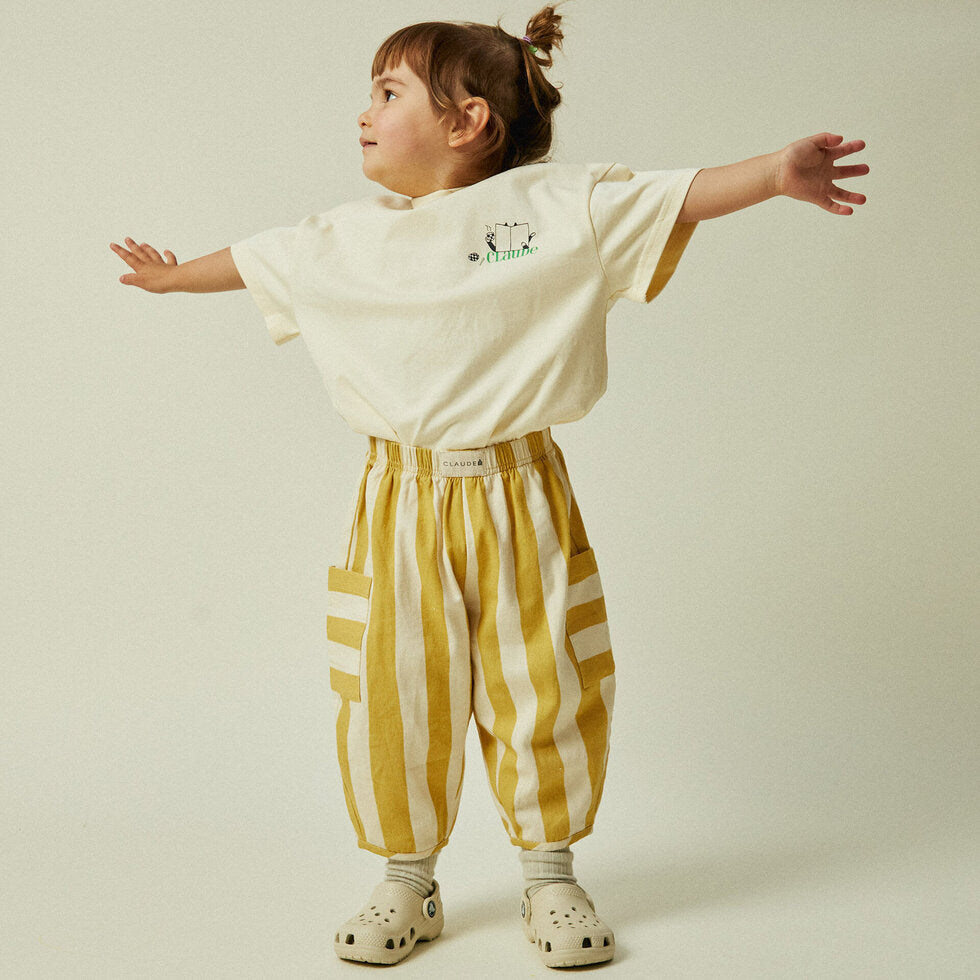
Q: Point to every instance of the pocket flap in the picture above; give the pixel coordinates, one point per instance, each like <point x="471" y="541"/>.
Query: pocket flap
<point x="586" y="623"/>
<point x="348" y="609"/>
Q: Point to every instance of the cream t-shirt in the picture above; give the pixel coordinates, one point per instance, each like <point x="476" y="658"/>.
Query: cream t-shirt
<point x="473" y="315"/>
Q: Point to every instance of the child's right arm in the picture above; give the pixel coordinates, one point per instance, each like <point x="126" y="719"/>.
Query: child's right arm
<point x="212" y="273"/>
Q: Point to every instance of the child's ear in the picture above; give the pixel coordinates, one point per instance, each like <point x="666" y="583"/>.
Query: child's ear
<point x="472" y="116"/>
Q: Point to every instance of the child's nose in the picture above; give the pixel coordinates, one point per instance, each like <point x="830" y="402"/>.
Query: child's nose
<point x="363" y="119"/>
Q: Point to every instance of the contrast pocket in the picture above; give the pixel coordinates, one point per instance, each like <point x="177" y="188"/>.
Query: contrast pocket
<point x="348" y="607"/>
<point x="585" y="620"/>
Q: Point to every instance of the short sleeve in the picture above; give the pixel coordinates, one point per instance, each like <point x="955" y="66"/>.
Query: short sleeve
<point x="266" y="263"/>
<point x="634" y="217"/>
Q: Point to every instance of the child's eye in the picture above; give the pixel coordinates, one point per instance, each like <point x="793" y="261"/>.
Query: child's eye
<point x="389" y="95"/>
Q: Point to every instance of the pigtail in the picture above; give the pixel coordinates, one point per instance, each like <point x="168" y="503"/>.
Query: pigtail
<point x="543" y="33"/>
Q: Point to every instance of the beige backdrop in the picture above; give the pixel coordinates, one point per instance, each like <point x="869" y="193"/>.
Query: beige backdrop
<point x="781" y="484"/>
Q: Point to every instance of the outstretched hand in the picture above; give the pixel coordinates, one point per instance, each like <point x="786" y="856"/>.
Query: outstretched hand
<point x="806" y="171"/>
<point x="151" y="271"/>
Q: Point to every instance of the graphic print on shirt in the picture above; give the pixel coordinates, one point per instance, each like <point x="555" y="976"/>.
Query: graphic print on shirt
<point x="506" y="241"/>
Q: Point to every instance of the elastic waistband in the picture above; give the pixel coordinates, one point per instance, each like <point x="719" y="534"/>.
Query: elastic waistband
<point x="461" y="462"/>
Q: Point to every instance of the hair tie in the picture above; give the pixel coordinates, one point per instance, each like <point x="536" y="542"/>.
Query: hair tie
<point x="534" y="50"/>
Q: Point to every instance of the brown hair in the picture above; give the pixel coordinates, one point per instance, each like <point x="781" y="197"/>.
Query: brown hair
<point x="460" y="60"/>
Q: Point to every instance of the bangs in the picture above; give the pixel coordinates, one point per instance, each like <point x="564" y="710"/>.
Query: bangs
<point x="415" y="46"/>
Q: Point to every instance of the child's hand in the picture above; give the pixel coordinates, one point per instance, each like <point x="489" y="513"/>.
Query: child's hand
<point x="150" y="271"/>
<point x="805" y="171"/>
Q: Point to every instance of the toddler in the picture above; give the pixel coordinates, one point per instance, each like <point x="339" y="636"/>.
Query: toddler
<point x="456" y="319"/>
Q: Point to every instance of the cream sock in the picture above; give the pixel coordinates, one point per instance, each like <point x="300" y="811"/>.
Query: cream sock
<point x="546" y="868"/>
<point x="418" y="875"/>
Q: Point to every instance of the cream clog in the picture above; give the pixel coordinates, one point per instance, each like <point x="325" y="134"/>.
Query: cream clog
<point x="560" y="920"/>
<point x="386" y="930"/>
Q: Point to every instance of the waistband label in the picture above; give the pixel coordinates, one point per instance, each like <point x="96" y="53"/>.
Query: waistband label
<point x="464" y="463"/>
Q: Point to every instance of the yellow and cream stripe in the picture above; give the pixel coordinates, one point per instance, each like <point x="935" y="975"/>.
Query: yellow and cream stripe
<point x="469" y="588"/>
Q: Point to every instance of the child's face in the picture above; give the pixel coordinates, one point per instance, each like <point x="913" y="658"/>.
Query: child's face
<point x="404" y="146"/>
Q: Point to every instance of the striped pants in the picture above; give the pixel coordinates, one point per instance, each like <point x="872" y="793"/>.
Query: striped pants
<point x="469" y="588"/>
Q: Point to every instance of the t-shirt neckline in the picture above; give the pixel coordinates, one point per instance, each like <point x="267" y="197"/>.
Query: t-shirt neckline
<point x="424" y="199"/>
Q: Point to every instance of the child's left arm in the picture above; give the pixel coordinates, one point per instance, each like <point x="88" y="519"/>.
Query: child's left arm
<point x="804" y="170"/>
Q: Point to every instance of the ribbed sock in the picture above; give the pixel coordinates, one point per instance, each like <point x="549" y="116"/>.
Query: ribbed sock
<point x="547" y="868"/>
<point x="418" y="875"/>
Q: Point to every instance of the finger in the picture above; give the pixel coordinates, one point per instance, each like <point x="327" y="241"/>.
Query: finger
<point x="834" y="208"/>
<point x="845" y="149"/>
<point x="167" y="252"/>
<point x="826" y="140"/>
<point x="849" y="196"/>
<point x="857" y="170"/>
<point x="152" y="252"/>
<point x="127" y="257"/>
<point x="136" y="248"/>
